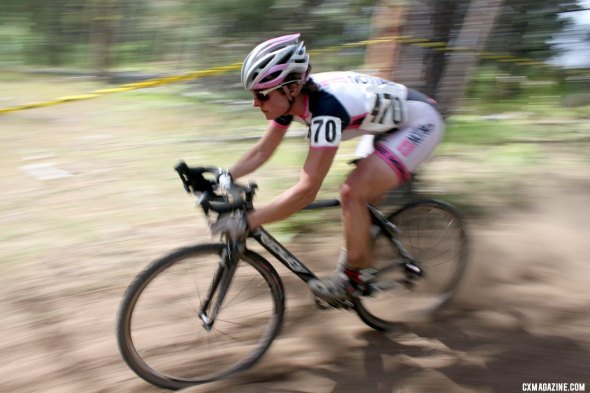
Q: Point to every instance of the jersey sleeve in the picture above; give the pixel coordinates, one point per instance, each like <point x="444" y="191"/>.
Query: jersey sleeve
<point x="283" y="121"/>
<point x="328" y="121"/>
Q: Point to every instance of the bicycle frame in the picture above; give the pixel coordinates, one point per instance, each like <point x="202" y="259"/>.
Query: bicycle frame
<point x="228" y="264"/>
<point x="283" y="255"/>
<point x="296" y="266"/>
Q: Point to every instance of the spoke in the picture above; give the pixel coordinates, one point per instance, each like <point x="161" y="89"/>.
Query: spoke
<point x="175" y="288"/>
<point x="243" y="324"/>
<point x="197" y="288"/>
<point x="233" y="323"/>
<point x="442" y="238"/>
<point x="191" y="303"/>
<point x="242" y="290"/>
<point x="243" y="300"/>
<point x="433" y="251"/>
<point x="228" y="335"/>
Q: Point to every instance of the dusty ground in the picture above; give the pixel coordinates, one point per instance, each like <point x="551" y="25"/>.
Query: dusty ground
<point x="72" y="244"/>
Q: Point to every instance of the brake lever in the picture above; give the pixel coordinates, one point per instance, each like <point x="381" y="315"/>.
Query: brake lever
<point x="203" y="201"/>
<point x="181" y="168"/>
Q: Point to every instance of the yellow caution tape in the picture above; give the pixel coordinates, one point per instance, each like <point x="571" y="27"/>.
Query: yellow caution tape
<point x="421" y="42"/>
<point x="126" y="87"/>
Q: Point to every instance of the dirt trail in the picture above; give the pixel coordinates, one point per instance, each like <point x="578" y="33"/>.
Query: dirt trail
<point x="521" y="316"/>
<point x="89" y="197"/>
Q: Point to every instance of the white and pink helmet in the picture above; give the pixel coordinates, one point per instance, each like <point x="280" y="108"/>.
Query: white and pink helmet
<point x="270" y="62"/>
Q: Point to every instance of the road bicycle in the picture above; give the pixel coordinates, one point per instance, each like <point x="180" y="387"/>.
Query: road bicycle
<point x="207" y="311"/>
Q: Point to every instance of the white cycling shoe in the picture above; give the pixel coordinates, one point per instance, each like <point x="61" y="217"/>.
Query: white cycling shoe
<point x="343" y="283"/>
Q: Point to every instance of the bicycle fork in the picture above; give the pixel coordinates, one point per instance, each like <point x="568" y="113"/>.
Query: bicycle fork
<point x="222" y="278"/>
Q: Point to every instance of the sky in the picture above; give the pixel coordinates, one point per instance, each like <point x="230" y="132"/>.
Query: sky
<point x="576" y="46"/>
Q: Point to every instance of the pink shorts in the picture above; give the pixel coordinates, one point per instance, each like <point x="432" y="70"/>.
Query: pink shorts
<point x="404" y="150"/>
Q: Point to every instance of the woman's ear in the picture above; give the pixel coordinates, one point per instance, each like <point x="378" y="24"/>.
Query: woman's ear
<point x="295" y="89"/>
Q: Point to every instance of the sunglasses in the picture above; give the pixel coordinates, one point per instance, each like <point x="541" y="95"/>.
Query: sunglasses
<point x="263" y="95"/>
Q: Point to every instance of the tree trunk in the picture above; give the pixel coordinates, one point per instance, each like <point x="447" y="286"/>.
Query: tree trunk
<point x="410" y="67"/>
<point x="105" y="30"/>
<point x="464" y="59"/>
<point x="443" y="14"/>
<point x="387" y="21"/>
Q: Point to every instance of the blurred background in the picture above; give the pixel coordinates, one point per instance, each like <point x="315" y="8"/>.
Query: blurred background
<point x="89" y="195"/>
<point x="127" y="40"/>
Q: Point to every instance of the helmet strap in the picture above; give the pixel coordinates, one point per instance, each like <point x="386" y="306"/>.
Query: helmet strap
<point x="290" y="97"/>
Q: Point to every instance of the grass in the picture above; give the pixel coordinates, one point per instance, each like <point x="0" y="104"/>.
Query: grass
<point x="121" y="150"/>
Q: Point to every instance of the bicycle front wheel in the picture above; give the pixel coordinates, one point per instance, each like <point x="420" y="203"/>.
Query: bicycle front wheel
<point x="433" y="234"/>
<point x="161" y="335"/>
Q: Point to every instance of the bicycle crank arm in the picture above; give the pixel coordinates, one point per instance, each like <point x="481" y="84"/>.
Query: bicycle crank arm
<point x="382" y="286"/>
<point x="326" y="304"/>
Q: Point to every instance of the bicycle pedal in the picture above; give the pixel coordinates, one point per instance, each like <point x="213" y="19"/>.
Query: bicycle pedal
<point x="327" y="304"/>
<point x="345" y="304"/>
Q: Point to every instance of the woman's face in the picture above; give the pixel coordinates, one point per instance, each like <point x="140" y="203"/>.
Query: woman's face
<point x="275" y="106"/>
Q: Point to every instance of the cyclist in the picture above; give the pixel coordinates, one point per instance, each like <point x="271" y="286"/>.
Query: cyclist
<point x="405" y="125"/>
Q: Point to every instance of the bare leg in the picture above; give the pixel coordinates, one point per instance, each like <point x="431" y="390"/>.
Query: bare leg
<point x="393" y="159"/>
<point x="366" y="184"/>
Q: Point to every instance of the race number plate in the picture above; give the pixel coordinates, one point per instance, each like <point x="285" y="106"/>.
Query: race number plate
<point x="325" y="131"/>
<point x="387" y="109"/>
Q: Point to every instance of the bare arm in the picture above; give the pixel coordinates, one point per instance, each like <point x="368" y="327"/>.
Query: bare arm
<point x="312" y="175"/>
<point x="259" y="153"/>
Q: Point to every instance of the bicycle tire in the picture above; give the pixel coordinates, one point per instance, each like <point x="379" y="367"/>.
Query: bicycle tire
<point x="175" y="356"/>
<point x="434" y="233"/>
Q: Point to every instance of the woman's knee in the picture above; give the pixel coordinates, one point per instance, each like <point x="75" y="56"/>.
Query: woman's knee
<point x="349" y="193"/>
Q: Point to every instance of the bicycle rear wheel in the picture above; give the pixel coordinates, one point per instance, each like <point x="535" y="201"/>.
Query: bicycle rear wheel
<point x="164" y="341"/>
<point x="434" y="235"/>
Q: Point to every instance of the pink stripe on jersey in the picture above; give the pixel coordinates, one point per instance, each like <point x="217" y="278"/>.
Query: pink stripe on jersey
<point x="342" y="79"/>
<point x="394" y="162"/>
<point x="355" y="121"/>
